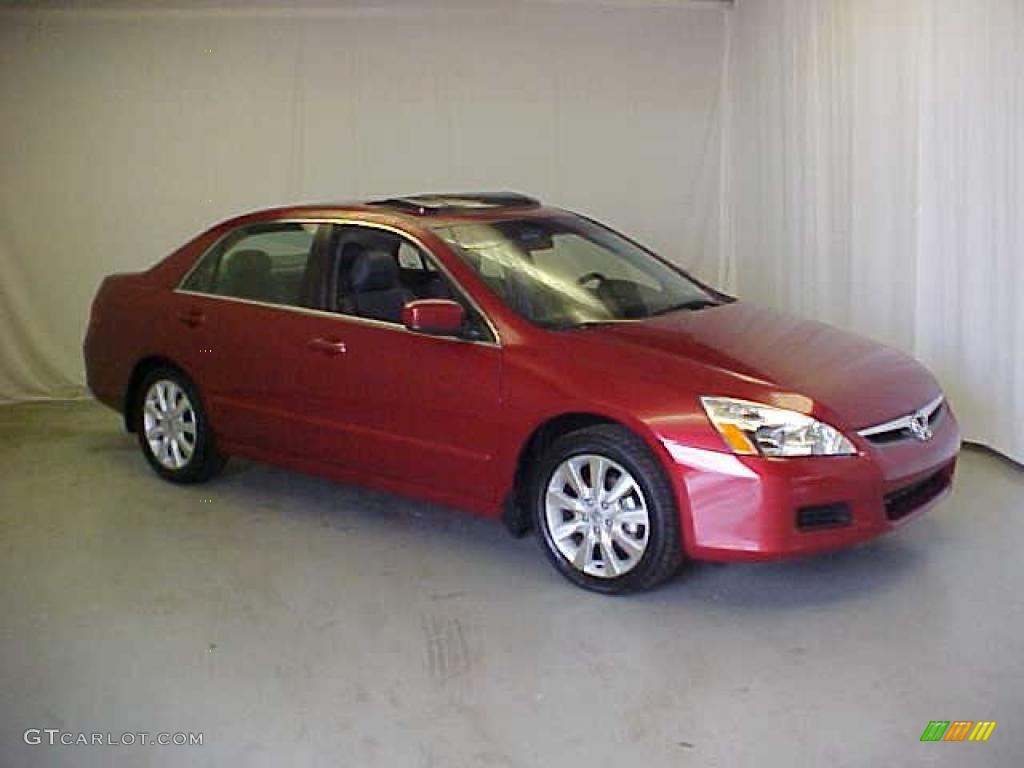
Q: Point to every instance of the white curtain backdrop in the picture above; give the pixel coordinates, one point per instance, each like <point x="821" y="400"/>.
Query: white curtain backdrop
<point x="877" y="182"/>
<point x="857" y="161"/>
<point x="125" y="132"/>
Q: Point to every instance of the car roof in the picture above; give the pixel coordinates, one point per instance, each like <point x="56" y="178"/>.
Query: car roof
<point x="421" y="209"/>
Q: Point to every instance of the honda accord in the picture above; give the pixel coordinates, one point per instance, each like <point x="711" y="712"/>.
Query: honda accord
<point x="525" y="363"/>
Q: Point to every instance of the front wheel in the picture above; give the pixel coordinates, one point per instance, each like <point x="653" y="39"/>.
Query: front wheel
<point x="605" y="514"/>
<point x="173" y="430"/>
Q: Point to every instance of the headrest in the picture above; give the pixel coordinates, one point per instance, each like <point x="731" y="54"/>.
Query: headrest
<point x="248" y="261"/>
<point x="374" y="271"/>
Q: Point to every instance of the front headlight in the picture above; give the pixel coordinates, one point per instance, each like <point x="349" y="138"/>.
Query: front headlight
<point x="752" y="428"/>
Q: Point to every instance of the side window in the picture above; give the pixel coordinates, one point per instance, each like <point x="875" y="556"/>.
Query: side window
<point x="409" y="257"/>
<point x="379" y="272"/>
<point x="200" y="279"/>
<point x="266" y="262"/>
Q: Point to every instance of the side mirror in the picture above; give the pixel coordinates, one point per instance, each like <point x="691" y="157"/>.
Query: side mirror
<point x="436" y="317"/>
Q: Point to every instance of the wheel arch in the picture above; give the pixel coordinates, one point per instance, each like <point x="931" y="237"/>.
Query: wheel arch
<point x="515" y="511"/>
<point x="142" y="369"/>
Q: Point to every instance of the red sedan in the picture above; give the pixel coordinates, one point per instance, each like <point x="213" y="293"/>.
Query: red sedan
<point x="526" y="363"/>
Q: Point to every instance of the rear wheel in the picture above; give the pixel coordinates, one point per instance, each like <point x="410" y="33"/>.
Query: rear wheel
<point x="605" y="514"/>
<point x="173" y="430"/>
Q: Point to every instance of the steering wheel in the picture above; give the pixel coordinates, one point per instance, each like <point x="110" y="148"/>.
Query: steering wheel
<point x="592" y="277"/>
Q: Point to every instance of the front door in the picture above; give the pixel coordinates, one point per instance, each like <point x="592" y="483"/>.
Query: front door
<point x="387" y="401"/>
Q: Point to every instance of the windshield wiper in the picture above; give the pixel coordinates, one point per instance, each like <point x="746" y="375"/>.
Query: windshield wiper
<point x="692" y="305"/>
<point x="578" y="325"/>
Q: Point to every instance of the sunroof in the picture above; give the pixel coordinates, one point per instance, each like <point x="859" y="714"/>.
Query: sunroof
<point x="437" y="203"/>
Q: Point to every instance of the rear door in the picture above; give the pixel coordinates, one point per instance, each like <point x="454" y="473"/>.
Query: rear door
<point x="243" y="307"/>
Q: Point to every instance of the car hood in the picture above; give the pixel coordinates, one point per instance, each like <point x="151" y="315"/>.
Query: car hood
<point x="761" y="352"/>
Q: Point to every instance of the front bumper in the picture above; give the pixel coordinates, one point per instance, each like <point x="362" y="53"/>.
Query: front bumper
<point x="752" y="508"/>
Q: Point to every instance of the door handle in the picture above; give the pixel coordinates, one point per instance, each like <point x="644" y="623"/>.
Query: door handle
<point x="328" y="346"/>
<point x="193" y="318"/>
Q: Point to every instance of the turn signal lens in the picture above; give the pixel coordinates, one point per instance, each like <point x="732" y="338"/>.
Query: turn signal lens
<point x="736" y="439"/>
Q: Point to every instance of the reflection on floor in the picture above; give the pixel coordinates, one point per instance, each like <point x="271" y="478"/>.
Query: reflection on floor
<point x="293" y="621"/>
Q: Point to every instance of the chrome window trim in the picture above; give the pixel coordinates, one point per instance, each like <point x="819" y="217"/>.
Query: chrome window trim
<point x="903" y="422"/>
<point x="339" y="315"/>
<point x="334" y="316"/>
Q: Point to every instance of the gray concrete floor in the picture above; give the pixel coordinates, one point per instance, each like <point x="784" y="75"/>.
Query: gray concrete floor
<point x="293" y="622"/>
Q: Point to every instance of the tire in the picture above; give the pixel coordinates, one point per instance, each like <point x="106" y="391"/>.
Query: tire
<point x="635" y="541"/>
<point x="168" y="404"/>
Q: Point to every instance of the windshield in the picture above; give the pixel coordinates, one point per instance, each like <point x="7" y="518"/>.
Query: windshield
<point x="566" y="271"/>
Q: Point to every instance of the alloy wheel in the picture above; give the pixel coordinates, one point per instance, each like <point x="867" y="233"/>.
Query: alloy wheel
<point x="169" y="424"/>
<point x="596" y="515"/>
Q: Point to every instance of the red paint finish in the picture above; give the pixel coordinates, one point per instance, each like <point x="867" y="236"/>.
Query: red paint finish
<point x="438" y="317"/>
<point x="447" y="419"/>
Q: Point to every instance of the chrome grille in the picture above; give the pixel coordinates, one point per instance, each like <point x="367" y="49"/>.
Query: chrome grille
<point x="902" y="428"/>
